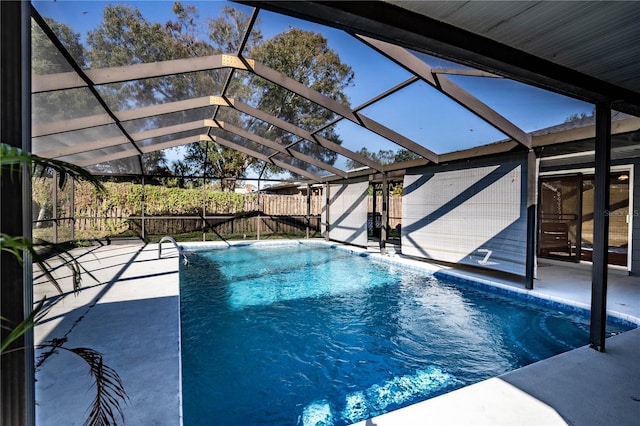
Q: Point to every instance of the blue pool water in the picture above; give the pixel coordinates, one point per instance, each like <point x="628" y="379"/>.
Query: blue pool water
<point x="312" y="335"/>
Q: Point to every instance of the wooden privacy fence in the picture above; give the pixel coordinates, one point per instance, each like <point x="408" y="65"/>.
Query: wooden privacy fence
<point x="268" y="213"/>
<point x="229" y="225"/>
<point x="282" y="214"/>
<point x="394" y="209"/>
<point x="100" y="227"/>
<point x="96" y="217"/>
<point x="285" y="205"/>
<point x="93" y="220"/>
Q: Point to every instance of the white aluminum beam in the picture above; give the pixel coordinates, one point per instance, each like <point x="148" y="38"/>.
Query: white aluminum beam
<point x="71" y="80"/>
<point x="259" y="156"/>
<point x="119" y="140"/>
<point x="268" y="118"/>
<point x="275" y="146"/>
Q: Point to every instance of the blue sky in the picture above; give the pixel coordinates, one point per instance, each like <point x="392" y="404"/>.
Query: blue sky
<point x="418" y="112"/>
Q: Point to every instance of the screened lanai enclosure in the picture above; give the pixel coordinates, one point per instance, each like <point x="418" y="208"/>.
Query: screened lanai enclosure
<point x="123" y="120"/>
<point x="467" y="133"/>
<point x="180" y="122"/>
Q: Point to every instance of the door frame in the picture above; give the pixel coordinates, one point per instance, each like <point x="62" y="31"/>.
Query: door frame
<point x="628" y="168"/>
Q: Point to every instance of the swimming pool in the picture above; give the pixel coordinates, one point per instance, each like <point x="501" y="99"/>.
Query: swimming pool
<point x="310" y="334"/>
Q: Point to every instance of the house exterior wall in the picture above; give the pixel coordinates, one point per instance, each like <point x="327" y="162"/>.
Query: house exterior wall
<point x="347" y="216"/>
<point x="635" y="215"/>
<point x="471" y="212"/>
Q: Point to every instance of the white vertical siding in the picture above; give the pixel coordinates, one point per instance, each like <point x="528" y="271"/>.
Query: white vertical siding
<point x="348" y="213"/>
<point x="473" y="214"/>
<point x="323" y="213"/>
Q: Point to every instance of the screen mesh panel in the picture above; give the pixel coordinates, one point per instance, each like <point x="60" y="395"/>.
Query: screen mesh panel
<point x="348" y="213"/>
<point x="472" y="214"/>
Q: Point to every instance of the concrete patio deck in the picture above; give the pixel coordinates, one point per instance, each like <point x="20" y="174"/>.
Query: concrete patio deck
<point x="131" y="315"/>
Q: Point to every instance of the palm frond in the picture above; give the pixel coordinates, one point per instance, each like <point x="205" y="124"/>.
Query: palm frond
<point x="14" y="245"/>
<point x="17" y="159"/>
<point x="40" y="251"/>
<point x="44" y="250"/>
<point x="27" y="324"/>
<point x="106" y="408"/>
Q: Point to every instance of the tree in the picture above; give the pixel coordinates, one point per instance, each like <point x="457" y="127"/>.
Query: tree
<point x="180" y="170"/>
<point x="383" y="156"/>
<point x="105" y="40"/>
<point x="305" y="57"/>
<point x="47" y="60"/>
<point x="155" y="162"/>
<point x="226" y="31"/>
<point x="46" y="106"/>
<point x="575" y="117"/>
<point x="405" y="155"/>
<point x="301" y="55"/>
<point x="225" y="35"/>
<point x="222" y="162"/>
<point x="125" y="37"/>
<point x="579" y="116"/>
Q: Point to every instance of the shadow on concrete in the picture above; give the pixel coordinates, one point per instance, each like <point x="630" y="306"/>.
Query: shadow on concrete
<point x="139" y="339"/>
<point x="587" y="387"/>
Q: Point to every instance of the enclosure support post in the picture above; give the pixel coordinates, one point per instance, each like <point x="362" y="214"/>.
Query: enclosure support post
<point x="258" y="217"/>
<point x="258" y="228"/>
<point x="142" y="209"/>
<point x="308" y="210"/>
<point x="532" y="175"/>
<point x="72" y="209"/>
<point x="385" y="211"/>
<point x="17" y="390"/>
<point x="54" y="202"/>
<point x="264" y="166"/>
<point x="600" y="227"/>
<point x="327" y="202"/>
<point x="579" y="196"/>
<point x="203" y="226"/>
<point x="374" y="210"/>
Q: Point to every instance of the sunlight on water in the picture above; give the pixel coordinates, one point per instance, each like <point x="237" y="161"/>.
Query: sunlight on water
<point x="269" y="289"/>
<point x="317" y="414"/>
<point x="284" y="278"/>
<point x="373" y="401"/>
<point x="319" y="336"/>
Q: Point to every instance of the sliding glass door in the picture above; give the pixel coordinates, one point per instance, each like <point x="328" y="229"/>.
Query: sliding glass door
<point x="565" y="220"/>
<point x="559" y="218"/>
<point x="618" y="213"/>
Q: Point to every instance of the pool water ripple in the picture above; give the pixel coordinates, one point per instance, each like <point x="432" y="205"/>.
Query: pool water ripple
<point x="299" y="335"/>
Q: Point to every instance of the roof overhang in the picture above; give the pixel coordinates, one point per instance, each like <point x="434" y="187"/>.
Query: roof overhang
<point x="585" y="50"/>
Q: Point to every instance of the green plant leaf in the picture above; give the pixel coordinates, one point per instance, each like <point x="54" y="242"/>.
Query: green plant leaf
<point x="27" y="324"/>
<point x="39" y="252"/>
